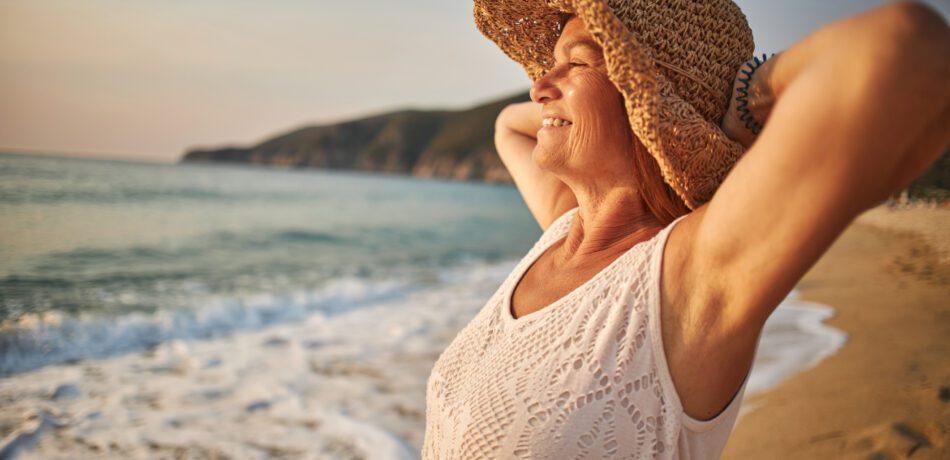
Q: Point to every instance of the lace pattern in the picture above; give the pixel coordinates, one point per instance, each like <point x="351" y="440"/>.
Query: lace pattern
<point x="576" y="379"/>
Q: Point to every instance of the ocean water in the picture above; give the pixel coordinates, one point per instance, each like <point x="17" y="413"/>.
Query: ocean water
<point x="197" y="310"/>
<point x="194" y="252"/>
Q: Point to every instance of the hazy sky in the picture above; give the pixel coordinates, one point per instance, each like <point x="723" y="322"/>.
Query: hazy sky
<point x="149" y="79"/>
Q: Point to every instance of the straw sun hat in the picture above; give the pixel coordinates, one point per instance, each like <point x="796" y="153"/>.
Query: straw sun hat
<point x="674" y="62"/>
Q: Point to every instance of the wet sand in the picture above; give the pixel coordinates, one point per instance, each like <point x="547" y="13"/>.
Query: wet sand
<point x="886" y="393"/>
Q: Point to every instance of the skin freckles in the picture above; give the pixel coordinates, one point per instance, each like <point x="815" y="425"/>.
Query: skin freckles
<point x="598" y="147"/>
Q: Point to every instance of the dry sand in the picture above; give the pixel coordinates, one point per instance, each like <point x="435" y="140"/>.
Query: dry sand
<point x="886" y="393"/>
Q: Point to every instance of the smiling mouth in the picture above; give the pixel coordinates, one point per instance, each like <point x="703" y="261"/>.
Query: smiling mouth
<point x="555" y="122"/>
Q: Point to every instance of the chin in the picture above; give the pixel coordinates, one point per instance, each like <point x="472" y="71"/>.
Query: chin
<point x="548" y="159"/>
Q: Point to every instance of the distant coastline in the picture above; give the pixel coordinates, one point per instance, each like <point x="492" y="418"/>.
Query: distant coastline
<point x="448" y="144"/>
<point x="451" y="144"/>
<point x="82" y="155"/>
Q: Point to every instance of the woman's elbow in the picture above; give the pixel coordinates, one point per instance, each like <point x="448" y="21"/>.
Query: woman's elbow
<point x="910" y="35"/>
<point x="915" y="22"/>
<point x="907" y="67"/>
<point x="501" y="121"/>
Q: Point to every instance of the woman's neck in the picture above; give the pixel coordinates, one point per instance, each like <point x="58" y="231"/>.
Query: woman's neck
<point x="607" y="223"/>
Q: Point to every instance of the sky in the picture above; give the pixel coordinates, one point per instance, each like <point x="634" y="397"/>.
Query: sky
<point x="148" y="80"/>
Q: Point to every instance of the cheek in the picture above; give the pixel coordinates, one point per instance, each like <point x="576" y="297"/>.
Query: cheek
<point x="600" y="114"/>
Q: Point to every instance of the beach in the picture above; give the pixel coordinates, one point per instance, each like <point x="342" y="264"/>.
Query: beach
<point x="886" y="392"/>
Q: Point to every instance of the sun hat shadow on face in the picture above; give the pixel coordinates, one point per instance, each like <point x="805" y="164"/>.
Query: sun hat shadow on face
<point x="674" y="62"/>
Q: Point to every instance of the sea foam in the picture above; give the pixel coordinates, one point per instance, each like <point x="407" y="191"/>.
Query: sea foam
<point x="303" y="378"/>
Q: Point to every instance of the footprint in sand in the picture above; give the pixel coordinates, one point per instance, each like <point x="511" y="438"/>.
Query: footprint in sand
<point x="898" y="440"/>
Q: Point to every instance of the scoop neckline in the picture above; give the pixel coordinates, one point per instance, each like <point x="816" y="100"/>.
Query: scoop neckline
<point x="534" y="316"/>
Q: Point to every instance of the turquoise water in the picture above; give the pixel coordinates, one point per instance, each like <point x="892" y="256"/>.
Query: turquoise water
<point x="211" y="249"/>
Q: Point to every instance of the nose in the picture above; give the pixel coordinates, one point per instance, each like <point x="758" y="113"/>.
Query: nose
<point x="544" y="89"/>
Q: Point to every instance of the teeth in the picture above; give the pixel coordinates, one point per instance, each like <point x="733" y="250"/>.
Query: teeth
<point x="555" y="122"/>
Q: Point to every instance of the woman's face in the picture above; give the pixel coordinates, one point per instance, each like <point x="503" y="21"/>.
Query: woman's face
<point x="595" y="140"/>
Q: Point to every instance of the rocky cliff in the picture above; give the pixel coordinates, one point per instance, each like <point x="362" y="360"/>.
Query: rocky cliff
<point x="426" y="143"/>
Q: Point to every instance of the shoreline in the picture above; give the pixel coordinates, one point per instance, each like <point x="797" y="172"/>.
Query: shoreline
<point x="885" y="393"/>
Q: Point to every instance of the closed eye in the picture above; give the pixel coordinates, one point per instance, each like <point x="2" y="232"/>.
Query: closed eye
<point x="576" y="64"/>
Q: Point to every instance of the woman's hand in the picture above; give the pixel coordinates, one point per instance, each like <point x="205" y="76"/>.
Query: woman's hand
<point x="751" y="97"/>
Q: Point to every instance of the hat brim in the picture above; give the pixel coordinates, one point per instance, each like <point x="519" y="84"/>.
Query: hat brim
<point x="693" y="154"/>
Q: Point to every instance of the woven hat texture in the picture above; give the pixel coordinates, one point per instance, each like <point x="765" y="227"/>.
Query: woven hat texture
<point x="674" y="62"/>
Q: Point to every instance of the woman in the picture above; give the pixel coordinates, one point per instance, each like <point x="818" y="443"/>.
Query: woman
<point x="675" y="218"/>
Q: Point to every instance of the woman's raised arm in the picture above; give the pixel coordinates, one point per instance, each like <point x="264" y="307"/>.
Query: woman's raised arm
<point x="861" y="108"/>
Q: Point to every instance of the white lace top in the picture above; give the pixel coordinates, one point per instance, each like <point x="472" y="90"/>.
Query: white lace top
<point x="584" y="377"/>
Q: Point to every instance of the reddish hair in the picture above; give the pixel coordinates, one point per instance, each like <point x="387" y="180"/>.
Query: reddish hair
<point x="659" y="197"/>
